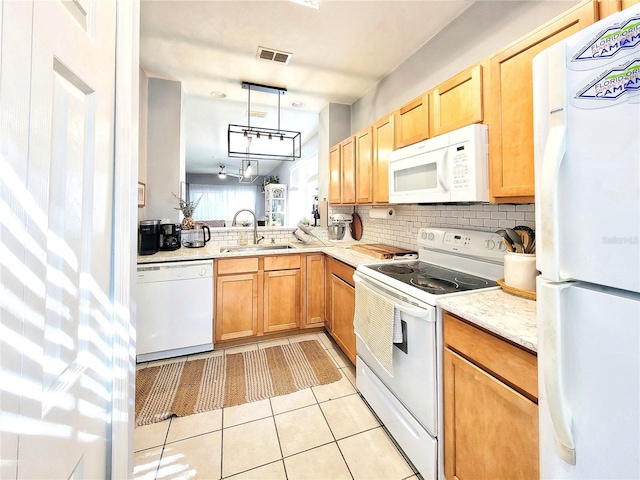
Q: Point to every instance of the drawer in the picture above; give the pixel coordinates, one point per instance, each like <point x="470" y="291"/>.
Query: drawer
<point x="236" y="265"/>
<point x="281" y="262"/>
<point x="514" y="365"/>
<point x="341" y="270"/>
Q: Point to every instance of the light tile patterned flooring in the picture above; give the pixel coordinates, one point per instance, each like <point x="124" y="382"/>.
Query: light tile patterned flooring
<point x="325" y="432"/>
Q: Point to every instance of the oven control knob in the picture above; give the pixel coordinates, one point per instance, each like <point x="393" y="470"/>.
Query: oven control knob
<point x="424" y="235"/>
<point x="490" y="244"/>
<point x="502" y="247"/>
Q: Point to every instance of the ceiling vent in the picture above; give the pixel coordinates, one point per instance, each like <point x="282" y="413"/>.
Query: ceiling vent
<point x="274" y="55"/>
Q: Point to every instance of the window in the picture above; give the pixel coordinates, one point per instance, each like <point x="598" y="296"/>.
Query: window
<point x="220" y="202"/>
<point x="303" y="188"/>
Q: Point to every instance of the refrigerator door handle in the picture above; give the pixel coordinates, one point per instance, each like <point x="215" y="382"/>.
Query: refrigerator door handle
<point x="549" y="302"/>
<point x="553" y="156"/>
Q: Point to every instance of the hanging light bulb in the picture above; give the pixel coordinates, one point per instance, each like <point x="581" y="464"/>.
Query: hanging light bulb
<point x="282" y="138"/>
<point x="270" y="136"/>
<point x="258" y="135"/>
<point x="222" y="173"/>
<point x="247" y="171"/>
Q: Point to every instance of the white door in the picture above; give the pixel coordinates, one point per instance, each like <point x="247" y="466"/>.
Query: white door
<point x="57" y="106"/>
<point x="589" y="341"/>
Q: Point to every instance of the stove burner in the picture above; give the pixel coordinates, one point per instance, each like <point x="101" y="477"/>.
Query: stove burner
<point x="399" y="269"/>
<point x="433" y="285"/>
<point x="471" y="280"/>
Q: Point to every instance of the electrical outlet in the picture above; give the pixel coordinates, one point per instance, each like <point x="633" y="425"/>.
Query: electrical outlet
<point x="409" y="227"/>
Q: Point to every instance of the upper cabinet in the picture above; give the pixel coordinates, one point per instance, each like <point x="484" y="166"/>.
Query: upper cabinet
<point x="412" y="122"/>
<point x="458" y="102"/>
<point x="334" y="174"/>
<point x="342" y="172"/>
<point x="364" y="165"/>
<point x="511" y="114"/>
<point x="607" y="7"/>
<point x="383" y="145"/>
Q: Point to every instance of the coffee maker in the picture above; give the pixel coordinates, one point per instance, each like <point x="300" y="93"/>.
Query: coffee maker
<point x="169" y="238"/>
<point x="148" y="237"/>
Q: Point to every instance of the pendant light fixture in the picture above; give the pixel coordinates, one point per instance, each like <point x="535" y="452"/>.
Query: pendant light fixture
<point x="246" y="141"/>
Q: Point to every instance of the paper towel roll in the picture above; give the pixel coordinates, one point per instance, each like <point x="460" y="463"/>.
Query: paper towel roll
<point x="382" y="212"/>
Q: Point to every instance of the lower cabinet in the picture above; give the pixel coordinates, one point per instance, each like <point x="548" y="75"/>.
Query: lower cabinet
<point x="263" y="295"/>
<point x="238" y="289"/>
<point x="315" y="288"/>
<point x="490" y="405"/>
<point x="281" y="300"/>
<point x="340" y="301"/>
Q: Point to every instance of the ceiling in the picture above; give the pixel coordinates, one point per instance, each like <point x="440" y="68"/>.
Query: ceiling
<point x="340" y="51"/>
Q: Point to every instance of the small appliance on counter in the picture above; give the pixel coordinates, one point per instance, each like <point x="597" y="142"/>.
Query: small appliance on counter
<point x="339" y="228"/>
<point x="169" y="237"/>
<point x="202" y="239"/>
<point x="148" y="237"/>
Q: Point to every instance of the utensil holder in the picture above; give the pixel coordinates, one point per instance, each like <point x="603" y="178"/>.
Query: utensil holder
<point x="520" y="270"/>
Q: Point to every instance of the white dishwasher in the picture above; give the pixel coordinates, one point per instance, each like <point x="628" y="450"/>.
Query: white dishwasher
<point x="175" y="309"/>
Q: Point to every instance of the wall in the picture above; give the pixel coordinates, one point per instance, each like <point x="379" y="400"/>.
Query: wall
<point x="142" y="135"/>
<point x="483" y="29"/>
<point x="333" y="126"/>
<point x="165" y="148"/>
<point x="309" y="148"/>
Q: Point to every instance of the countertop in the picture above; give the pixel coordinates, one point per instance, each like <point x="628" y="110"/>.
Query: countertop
<point x="212" y="251"/>
<point x="506" y="315"/>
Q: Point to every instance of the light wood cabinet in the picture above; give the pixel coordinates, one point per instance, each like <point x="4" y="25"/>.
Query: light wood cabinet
<point x="340" y="306"/>
<point x="237" y="298"/>
<point x="383" y="145"/>
<point x="315" y="290"/>
<point x="511" y="115"/>
<point x="348" y="171"/>
<point x="607" y="7"/>
<point x="282" y="297"/>
<point x="458" y="102"/>
<point x="411" y="122"/>
<point x="490" y="405"/>
<point x="335" y="175"/>
<point x="364" y="165"/>
<point x="257" y="295"/>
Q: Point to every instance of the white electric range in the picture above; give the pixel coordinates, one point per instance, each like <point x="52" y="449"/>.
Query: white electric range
<point x="408" y="400"/>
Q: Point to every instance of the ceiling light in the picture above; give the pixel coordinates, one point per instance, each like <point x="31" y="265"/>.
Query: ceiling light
<point x="297" y="104"/>
<point x="240" y="137"/>
<point x="222" y="173"/>
<point x="218" y="94"/>
<point x="248" y="170"/>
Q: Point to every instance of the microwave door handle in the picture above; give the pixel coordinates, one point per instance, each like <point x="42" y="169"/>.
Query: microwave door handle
<point x="440" y="165"/>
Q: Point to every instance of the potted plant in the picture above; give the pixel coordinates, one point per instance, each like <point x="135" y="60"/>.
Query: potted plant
<point x="187" y="208"/>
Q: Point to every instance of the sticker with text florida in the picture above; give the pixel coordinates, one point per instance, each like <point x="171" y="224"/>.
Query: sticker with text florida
<point x="614" y="84"/>
<point x="612" y="41"/>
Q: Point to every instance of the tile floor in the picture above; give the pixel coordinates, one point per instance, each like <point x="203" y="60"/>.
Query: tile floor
<point x="325" y="432"/>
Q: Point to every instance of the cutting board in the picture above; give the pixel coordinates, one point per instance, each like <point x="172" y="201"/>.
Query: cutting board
<point x="380" y="250"/>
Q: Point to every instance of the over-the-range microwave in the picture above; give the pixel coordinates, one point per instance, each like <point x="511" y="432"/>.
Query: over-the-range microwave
<point x="453" y="167"/>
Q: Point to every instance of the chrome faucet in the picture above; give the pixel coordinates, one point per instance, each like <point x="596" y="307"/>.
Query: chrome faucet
<point x="255" y="224"/>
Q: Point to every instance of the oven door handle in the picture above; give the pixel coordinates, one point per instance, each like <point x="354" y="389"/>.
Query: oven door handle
<point x="415" y="312"/>
<point x="422" y="313"/>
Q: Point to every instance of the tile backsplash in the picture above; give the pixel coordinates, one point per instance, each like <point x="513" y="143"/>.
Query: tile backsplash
<point x="402" y="229"/>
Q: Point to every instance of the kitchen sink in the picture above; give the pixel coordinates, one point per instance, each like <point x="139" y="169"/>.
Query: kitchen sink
<point x="254" y="248"/>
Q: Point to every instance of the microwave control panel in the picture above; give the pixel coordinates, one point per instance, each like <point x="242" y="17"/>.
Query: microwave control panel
<point x="461" y="167"/>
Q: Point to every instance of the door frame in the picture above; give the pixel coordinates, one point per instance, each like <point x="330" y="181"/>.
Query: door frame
<point x="125" y="216"/>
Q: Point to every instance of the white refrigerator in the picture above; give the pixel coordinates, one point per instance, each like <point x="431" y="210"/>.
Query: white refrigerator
<point x="587" y="167"/>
